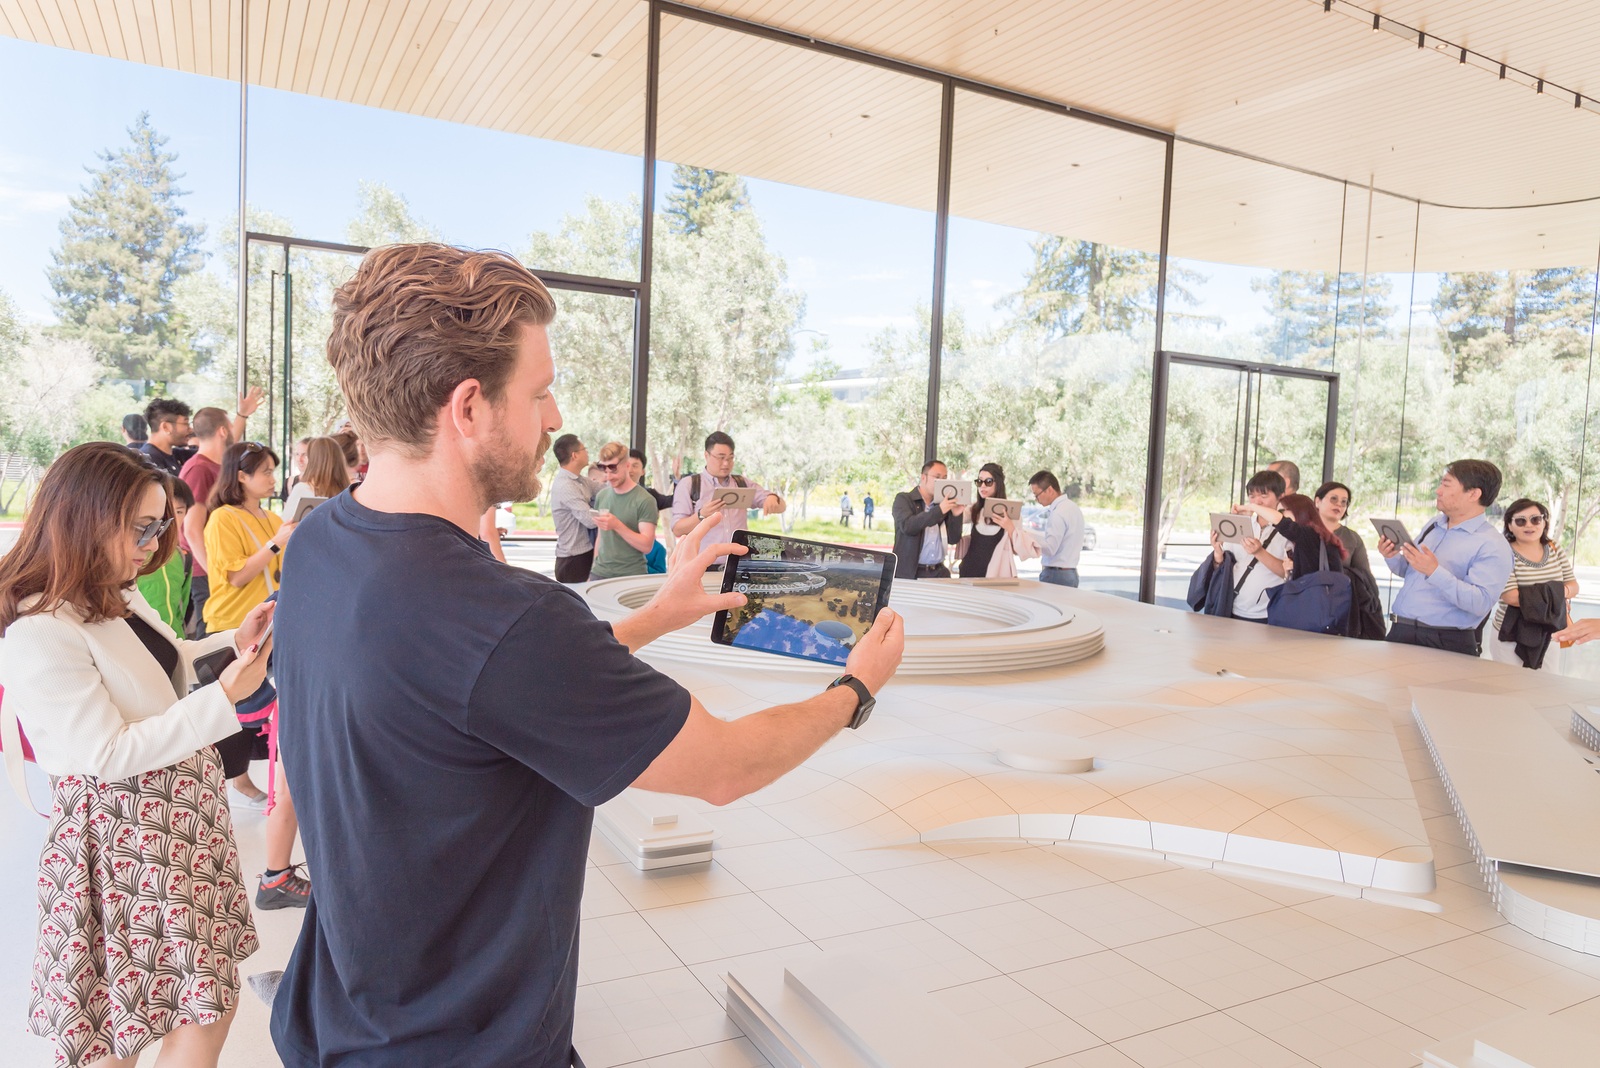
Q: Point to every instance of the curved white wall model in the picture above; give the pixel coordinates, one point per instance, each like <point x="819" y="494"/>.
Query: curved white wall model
<point x="951" y="629"/>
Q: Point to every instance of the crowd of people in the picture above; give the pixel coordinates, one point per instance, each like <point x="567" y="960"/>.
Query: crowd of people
<point x="449" y="722"/>
<point x="1459" y="576"/>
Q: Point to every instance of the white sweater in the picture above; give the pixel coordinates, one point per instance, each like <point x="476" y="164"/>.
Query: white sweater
<point x="93" y="701"/>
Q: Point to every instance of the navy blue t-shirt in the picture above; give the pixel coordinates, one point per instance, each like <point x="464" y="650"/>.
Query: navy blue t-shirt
<point x="447" y="724"/>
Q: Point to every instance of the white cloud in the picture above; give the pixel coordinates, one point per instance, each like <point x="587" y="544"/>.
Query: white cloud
<point x="17" y="200"/>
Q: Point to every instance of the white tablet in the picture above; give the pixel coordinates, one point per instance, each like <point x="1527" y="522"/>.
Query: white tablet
<point x="304" y="506"/>
<point x="1231" y="528"/>
<point x="952" y="489"/>
<point x="733" y="498"/>
<point x="999" y="505"/>
<point x="1394" y="530"/>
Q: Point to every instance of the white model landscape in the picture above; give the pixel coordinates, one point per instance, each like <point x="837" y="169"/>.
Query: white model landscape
<point x="1273" y="775"/>
<point x="1527" y="801"/>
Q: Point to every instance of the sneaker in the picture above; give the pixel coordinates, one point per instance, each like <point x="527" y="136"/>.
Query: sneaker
<point x="256" y="802"/>
<point x="287" y="890"/>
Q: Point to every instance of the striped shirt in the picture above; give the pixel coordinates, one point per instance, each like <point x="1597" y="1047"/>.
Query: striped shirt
<point x="1555" y="567"/>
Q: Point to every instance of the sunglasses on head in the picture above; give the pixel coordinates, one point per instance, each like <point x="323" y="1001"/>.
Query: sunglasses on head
<point x="1528" y="521"/>
<point x="150" y="532"/>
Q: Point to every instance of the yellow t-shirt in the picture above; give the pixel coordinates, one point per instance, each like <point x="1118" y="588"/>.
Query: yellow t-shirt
<point x="232" y="536"/>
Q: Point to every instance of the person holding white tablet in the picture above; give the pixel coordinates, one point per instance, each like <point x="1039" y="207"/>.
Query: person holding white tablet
<point x="1458" y="566"/>
<point x="692" y="500"/>
<point x="1262" y="564"/>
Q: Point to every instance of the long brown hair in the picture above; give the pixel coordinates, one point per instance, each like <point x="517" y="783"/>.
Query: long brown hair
<point x="326" y="471"/>
<point x="87" y="500"/>
<point x="1303" y="510"/>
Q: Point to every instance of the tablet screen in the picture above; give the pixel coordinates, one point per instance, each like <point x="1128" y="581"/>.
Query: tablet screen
<point x="807" y="599"/>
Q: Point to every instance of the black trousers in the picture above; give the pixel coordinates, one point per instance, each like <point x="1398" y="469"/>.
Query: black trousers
<point x="574" y="568"/>
<point x="199" y="594"/>
<point x="1451" y="641"/>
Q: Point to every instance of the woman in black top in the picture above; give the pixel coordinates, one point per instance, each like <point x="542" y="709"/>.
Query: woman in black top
<point x="1298" y="523"/>
<point x="987" y="539"/>
<point x="1366" y="608"/>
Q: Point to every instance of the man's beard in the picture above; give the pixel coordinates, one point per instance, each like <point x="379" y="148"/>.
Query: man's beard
<point x="506" y="472"/>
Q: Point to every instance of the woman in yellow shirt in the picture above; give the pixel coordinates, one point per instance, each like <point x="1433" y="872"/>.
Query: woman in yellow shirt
<point x="243" y="546"/>
<point x="243" y="540"/>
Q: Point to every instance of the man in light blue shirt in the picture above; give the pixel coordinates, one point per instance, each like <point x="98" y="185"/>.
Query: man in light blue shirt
<point x="1458" y="567"/>
<point x="1060" y="533"/>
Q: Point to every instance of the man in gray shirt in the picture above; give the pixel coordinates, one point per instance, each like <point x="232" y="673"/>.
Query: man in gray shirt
<point x="571" y="502"/>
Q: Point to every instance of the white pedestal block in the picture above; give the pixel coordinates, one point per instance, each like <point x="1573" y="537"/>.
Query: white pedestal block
<point x="654" y="830"/>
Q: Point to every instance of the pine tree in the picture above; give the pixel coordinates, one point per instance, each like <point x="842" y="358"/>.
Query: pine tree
<point x="1304" y="304"/>
<point x="698" y="194"/>
<point x="1081" y="287"/>
<point x="124" y="245"/>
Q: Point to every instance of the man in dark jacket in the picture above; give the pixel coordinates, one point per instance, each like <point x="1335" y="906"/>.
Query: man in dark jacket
<point x="918" y="548"/>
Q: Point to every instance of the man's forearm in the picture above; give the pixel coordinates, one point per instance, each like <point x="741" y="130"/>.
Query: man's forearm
<point x="751" y="752"/>
<point x="767" y="745"/>
<point x="637" y="539"/>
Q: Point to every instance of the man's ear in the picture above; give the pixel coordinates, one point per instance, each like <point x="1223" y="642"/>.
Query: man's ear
<point x="467" y="408"/>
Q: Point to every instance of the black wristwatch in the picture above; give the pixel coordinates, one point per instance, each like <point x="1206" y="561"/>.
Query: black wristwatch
<point x="865" y="701"/>
<point x="275" y="547"/>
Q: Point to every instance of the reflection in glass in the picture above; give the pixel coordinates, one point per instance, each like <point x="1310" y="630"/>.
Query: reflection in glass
<point x="793" y="265"/>
<point x="1050" y="329"/>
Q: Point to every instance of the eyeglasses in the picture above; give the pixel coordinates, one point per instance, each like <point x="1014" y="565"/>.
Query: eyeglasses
<point x="985" y="481"/>
<point x="148" y="533"/>
<point x="1528" y="521"/>
<point x="605" y="467"/>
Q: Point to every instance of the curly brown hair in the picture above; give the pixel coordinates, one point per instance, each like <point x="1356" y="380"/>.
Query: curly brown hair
<point x="86" y="501"/>
<point x="417" y="320"/>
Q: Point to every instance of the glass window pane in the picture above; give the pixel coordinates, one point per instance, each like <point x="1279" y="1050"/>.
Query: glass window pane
<point x="1255" y="256"/>
<point x="482" y="161"/>
<point x="1051" y="287"/>
<point x="793" y="266"/>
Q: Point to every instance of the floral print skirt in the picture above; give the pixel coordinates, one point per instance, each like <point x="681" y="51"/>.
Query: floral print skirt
<point x="143" y="915"/>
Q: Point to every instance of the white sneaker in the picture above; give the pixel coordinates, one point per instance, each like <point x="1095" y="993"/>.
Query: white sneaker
<point x="239" y="799"/>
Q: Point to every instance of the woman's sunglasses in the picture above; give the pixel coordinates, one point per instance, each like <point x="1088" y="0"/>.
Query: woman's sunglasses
<point x="985" y="481"/>
<point x="1528" y="521"/>
<point x="150" y="532"/>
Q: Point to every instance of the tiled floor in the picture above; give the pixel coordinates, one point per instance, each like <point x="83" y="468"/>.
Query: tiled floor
<point x="1066" y="956"/>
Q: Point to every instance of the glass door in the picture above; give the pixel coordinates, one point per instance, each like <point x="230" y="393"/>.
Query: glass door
<point x="1215" y="422"/>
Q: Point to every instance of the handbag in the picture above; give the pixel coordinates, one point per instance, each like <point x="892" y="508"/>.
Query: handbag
<point x="1318" y="602"/>
<point x="17" y="752"/>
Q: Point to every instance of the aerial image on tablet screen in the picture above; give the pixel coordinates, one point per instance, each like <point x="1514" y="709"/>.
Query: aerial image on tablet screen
<point x="804" y="598"/>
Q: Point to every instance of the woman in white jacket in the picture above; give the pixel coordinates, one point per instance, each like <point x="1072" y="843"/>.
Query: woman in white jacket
<point x="143" y="914"/>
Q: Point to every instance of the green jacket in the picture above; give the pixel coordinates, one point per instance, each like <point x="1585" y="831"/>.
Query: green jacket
<point x="167" y="590"/>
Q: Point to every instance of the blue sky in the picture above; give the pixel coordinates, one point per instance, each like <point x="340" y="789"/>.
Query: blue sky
<point x="862" y="265"/>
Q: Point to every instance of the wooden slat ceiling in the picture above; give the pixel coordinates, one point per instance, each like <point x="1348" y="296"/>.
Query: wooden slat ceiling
<point x="1275" y="79"/>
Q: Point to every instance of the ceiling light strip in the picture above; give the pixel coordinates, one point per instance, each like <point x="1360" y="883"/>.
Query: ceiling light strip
<point x="1462" y="55"/>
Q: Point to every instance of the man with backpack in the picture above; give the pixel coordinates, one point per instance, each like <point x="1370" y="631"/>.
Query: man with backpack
<point x="692" y="502"/>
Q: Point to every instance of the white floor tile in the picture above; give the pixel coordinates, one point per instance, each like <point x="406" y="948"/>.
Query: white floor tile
<point x="1111" y="996"/>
